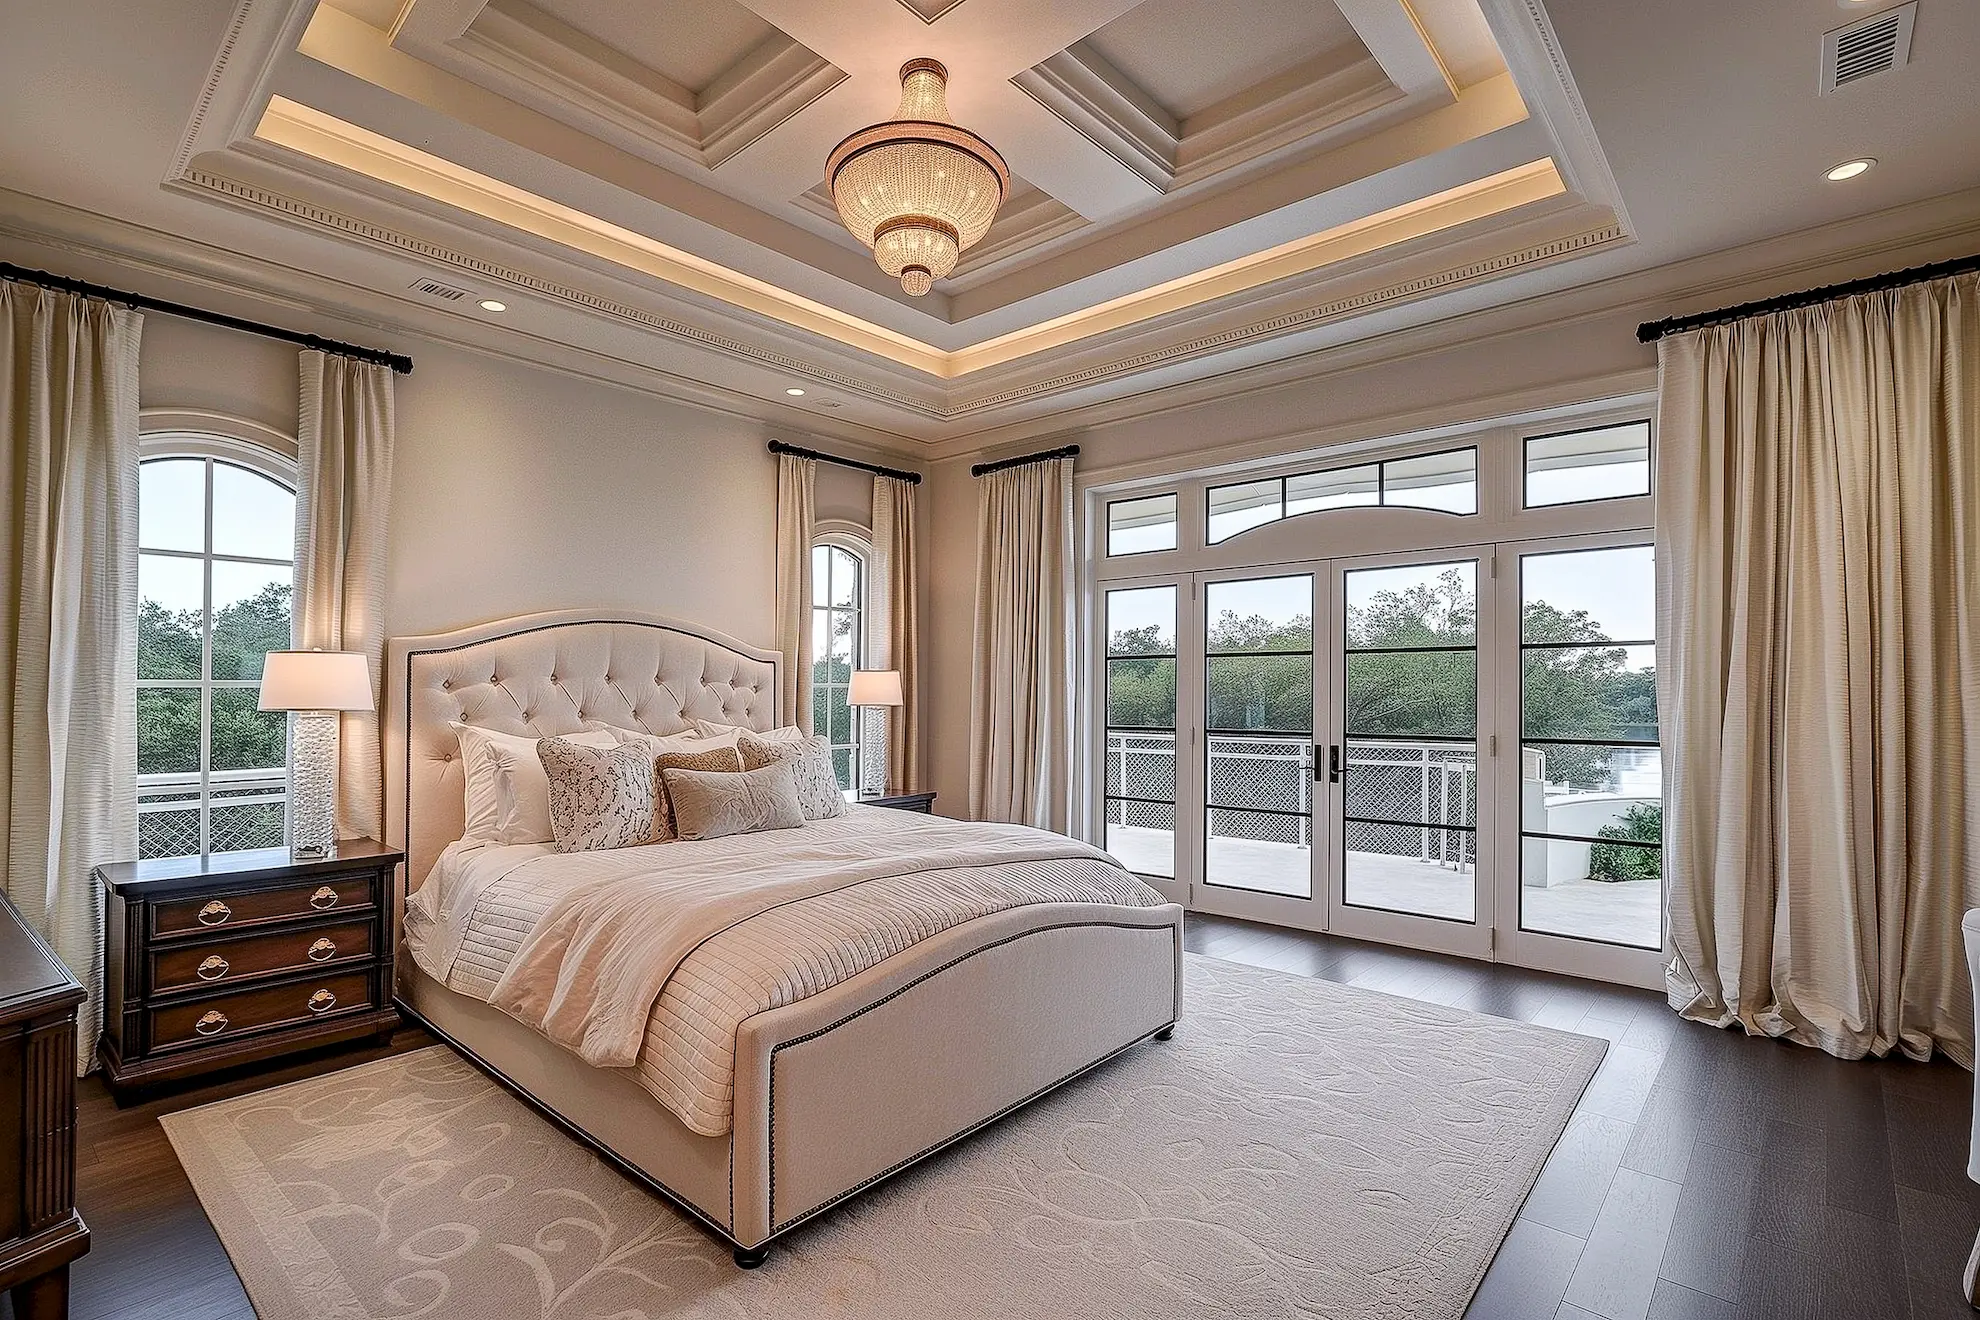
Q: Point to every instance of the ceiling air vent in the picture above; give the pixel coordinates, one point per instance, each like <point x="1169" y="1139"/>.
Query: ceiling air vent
<point x="1867" y="47"/>
<point x="435" y="289"/>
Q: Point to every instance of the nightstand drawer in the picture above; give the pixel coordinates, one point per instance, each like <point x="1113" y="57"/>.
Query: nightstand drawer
<point x="186" y="966"/>
<point x="245" y="1010"/>
<point x="254" y="907"/>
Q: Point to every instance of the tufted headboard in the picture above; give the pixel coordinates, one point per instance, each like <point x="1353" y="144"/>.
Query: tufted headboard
<point x="546" y="674"/>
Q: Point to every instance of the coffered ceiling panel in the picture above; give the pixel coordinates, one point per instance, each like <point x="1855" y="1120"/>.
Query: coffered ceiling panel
<point x="1187" y="56"/>
<point x="690" y="43"/>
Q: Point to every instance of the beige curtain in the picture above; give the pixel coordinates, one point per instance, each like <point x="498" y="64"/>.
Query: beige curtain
<point x="68" y="626"/>
<point x="1818" y="544"/>
<point x="344" y="435"/>
<point x="1021" y="722"/>
<point x="795" y="519"/>
<point x="895" y="635"/>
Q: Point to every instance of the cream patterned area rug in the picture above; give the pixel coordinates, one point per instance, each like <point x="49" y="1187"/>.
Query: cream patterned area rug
<point x="1299" y="1149"/>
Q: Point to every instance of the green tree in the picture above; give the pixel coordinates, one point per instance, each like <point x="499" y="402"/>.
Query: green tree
<point x="1421" y="691"/>
<point x="1642" y="822"/>
<point x="1583" y="690"/>
<point x="1251" y="688"/>
<point x="169" y="648"/>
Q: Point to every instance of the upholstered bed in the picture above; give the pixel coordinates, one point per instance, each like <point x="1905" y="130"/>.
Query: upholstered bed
<point x="983" y="983"/>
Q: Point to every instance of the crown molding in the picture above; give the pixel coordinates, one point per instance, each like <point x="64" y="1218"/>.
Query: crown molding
<point x="1310" y="270"/>
<point x="1901" y="236"/>
<point x="187" y="270"/>
<point x="1409" y="289"/>
<point x="1526" y="37"/>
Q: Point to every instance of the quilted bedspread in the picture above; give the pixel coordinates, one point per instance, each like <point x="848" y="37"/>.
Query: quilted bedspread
<point x="649" y="959"/>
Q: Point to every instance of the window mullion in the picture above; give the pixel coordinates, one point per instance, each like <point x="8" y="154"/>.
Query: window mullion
<point x="206" y="674"/>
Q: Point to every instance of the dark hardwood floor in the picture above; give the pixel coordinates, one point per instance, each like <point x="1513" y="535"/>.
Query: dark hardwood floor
<point x="1705" y="1175"/>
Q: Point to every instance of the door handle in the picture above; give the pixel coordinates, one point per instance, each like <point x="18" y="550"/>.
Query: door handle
<point x="1333" y="763"/>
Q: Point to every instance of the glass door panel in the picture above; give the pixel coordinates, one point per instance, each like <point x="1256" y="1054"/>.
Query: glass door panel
<point x="1258" y="686"/>
<point x="1140" y="747"/>
<point x="1403" y="771"/>
<point x="1591" y="771"/>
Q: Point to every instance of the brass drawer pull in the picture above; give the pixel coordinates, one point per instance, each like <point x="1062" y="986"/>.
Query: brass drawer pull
<point x="213" y="968"/>
<point x="325" y="897"/>
<point x="322" y="1002"/>
<point x="321" y="950"/>
<point x="212" y="1023"/>
<point x="214" y="913"/>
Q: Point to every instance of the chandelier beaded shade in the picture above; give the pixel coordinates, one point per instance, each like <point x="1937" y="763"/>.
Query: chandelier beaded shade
<point x="917" y="189"/>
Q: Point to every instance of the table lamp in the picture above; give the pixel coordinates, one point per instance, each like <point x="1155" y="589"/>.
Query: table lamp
<point x="872" y="687"/>
<point x="315" y="687"/>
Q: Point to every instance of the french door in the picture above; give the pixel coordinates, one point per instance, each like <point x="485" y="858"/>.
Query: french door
<point x="1452" y="749"/>
<point x="1337" y="748"/>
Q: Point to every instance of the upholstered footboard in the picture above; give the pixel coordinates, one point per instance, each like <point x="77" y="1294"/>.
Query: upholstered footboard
<point x="839" y="1091"/>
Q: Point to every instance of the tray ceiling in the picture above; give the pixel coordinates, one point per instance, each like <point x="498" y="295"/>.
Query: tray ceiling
<point x="1195" y="181"/>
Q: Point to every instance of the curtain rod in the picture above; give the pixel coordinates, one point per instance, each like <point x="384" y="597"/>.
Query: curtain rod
<point x="898" y="474"/>
<point x="1651" y="331"/>
<point x="397" y="362"/>
<point x="1042" y="456"/>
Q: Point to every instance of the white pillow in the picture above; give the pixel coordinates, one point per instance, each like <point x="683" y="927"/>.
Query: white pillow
<point x="507" y="793"/>
<point x="790" y="733"/>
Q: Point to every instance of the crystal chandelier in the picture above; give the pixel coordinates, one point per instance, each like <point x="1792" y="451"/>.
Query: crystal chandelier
<point x="917" y="189"/>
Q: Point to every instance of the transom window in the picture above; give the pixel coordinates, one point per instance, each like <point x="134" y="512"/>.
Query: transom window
<point x="1446" y="482"/>
<point x="216" y="542"/>
<point x="1595" y="463"/>
<point x="838" y="646"/>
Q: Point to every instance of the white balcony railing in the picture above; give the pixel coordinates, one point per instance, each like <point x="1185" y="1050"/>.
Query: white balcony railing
<point x="1261" y="786"/>
<point x="243" y="809"/>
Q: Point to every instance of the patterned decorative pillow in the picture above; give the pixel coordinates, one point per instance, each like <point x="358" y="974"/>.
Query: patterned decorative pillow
<point x="714" y="760"/>
<point x="716" y="805"/>
<point x="811" y="761"/>
<point x="600" y="797"/>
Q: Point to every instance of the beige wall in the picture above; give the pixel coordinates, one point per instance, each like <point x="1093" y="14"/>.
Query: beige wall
<point x="518" y="489"/>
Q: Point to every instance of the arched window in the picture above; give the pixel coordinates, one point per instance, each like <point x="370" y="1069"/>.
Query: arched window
<point x="838" y="642"/>
<point x="216" y="540"/>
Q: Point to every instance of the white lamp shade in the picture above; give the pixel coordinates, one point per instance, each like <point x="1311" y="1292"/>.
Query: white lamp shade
<point x="875" y="687"/>
<point x="316" y="680"/>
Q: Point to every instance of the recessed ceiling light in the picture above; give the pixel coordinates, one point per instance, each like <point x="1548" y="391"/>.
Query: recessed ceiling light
<point x="1849" y="169"/>
<point x="490" y="305"/>
<point x="794" y="391"/>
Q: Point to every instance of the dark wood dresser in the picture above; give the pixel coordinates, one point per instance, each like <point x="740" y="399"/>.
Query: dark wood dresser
<point x="40" y="1231"/>
<point x="212" y="962"/>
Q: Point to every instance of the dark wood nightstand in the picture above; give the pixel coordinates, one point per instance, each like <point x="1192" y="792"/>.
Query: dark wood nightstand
<point x="40" y="1231"/>
<point x="921" y="802"/>
<point x="211" y="962"/>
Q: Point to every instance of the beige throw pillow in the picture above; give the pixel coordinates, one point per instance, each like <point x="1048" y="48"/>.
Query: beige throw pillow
<point x="811" y="762"/>
<point x="715" y="760"/>
<point x="716" y="805"/>
<point x="600" y="797"/>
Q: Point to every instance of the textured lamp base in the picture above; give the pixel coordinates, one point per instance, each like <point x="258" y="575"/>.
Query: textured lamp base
<point x="312" y="783"/>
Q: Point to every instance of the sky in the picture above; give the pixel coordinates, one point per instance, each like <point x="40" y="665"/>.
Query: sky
<point x="253" y="516"/>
